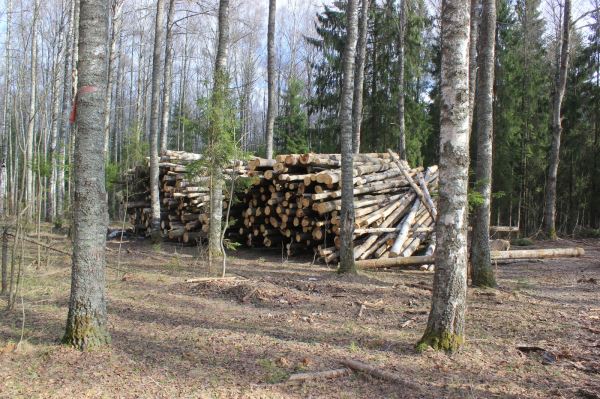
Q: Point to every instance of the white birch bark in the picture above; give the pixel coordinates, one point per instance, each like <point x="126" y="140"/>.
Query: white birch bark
<point x="347" y="264"/>
<point x="446" y="323"/>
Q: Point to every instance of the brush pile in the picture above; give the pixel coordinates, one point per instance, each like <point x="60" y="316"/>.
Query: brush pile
<point x="294" y="202"/>
<point x="184" y="198"/>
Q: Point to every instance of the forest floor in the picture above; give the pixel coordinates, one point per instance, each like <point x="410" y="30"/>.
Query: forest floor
<point x="243" y="337"/>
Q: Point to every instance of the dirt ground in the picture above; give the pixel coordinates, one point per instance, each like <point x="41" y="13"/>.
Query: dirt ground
<point x="243" y="337"/>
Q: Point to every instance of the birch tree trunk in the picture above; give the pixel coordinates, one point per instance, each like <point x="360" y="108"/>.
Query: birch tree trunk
<point x="218" y="100"/>
<point x="347" y="264"/>
<point x="168" y="79"/>
<point x="473" y="36"/>
<point x="154" y="121"/>
<point x="271" y="78"/>
<point x="4" y="154"/>
<point x="401" y="40"/>
<point x="4" y="144"/>
<point x="115" y="12"/>
<point x="359" y="78"/>
<point x="57" y="100"/>
<point x="86" y="322"/>
<point x="29" y="140"/>
<point x="560" y="85"/>
<point x="446" y="323"/>
<point x="67" y="105"/>
<point x="483" y="273"/>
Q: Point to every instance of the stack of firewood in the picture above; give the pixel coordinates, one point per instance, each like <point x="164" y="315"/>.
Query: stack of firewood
<point x="294" y="202"/>
<point x="296" y="199"/>
<point x="184" y="198"/>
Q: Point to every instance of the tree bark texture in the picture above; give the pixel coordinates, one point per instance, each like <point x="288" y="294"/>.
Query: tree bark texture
<point x="554" y="156"/>
<point x="271" y="78"/>
<point x="219" y="94"/>
<point x="154" y="120"/>
<point x="168" y="79"/>
<point x="86" y="322"/>
<point x="483" y="273"/>
<point x="359" y="78"/>
<point x="347" y="212"/>
<point x="401" y="113"/>
<point x="446" y="323"/>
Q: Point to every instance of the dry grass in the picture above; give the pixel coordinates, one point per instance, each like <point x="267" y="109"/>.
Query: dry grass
<point x="242" y="338"/>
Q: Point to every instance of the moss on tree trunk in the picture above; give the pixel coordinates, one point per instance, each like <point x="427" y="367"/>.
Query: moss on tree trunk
<point x="85" y="332"/>
<point x="440" y="340"/>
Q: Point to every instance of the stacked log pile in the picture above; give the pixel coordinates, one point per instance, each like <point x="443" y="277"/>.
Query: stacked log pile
<point x="184" y="199"/>
<point x="295" y="201"/>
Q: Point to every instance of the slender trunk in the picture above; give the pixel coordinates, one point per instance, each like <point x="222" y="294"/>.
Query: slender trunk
<point x="218" y="101"/>
<point x="446" y="323"/>
<point x="67" y="105"/>
<point x="6" y="131"/>
<point x="115" y="12"/>
<point x="86" y="323"/>
<point x="483" y="273"/>
<point x="473" y="35"/>
<point x="168" y="79"/>
<point x="347" y="264"/>
<point x="154" y="121"/>
<point x="359" y="78"/>
<point x="554" y="155"/>
<point x="57" y="100"/>
<point x="30" y="138"/>
<point x="401" y="94"/>
<point x="271" y="78"/>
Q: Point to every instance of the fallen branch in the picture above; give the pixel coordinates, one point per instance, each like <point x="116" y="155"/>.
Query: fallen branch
<point x="41" y="244"/>
<point x="375" y="372"/>
<point x="335" y="373"/>
<point x="203" y="279"/>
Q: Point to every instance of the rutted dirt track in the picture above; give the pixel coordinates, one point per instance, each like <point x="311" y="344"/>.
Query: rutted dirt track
<point x="241" y="338"/>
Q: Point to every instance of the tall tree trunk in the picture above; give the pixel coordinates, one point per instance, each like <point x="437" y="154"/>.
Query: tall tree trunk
<point x="446" y="323"/>
<point x="359" y="78"/>
<point x="6" y="133"/>
<point x="115" y="13"/>
<point x="154" y="121"/>
<point x="483" y="274"/>
<point x="4" y="144"/>
<point x="473" y="36"/>
<point x="271" y="78"/>
<point x="218" y="100"/>
<point x="30" y="138"/>
<point x="57" y="100"/>
<point x="168" y="79"/>
<point x="559" y="93"/>
<point x="401" y="93"/>
<point x="86" y="324"/>
<point x="347" y="264"/>
<point x="69" y="67"/>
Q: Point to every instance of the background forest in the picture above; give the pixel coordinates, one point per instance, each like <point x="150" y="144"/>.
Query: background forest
<point x="36" y="94"/>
